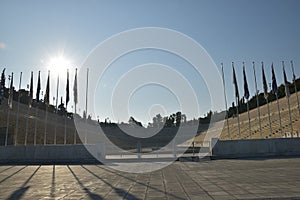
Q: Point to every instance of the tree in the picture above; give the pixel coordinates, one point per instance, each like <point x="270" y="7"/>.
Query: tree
<point x="133" y="122"/>
<point x="157" y="121"/>
<point x="84" y="115"/>
<point x="178" y="119"/>
<point x="2" y="83"/>
<point x="61" y="108"/>
<point x="209" y="114"/>
<point x="169" y="121"/>
<point x="154" y="121"/>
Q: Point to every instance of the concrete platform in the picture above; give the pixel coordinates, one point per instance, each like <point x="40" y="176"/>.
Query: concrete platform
<point x="216" y="179"/>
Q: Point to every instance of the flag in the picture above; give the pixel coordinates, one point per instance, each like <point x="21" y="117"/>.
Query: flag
<point x="67" y="90"/>
<point x="235" y="84"/>
<point x="246" y="90"/>
<point x="47" y="95"/>
<point x="286" y="83"/>
<point x="264" y="82"/>
<point x="11" y="91"/>
<point x="75" y="89"/>
<point x="274" y="82"/>
<point x="38" y="89"/>
<point x="294" y="76"/>
<point x="30" y="91"/>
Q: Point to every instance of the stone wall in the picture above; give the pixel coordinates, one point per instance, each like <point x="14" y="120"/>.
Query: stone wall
<point x="49" y="154"/>
<point x="256" y="148"/>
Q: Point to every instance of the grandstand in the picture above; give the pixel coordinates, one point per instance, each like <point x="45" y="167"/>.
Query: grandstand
<point x="60" y="128"/>
<point x="33" y="118"/>
<point x="254" y="121"/>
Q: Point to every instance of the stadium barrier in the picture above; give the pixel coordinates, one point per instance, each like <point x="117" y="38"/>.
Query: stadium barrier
<point x="255" y="148"/>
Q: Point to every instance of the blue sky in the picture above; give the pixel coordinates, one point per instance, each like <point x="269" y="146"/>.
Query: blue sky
<point x="34" y="32"/>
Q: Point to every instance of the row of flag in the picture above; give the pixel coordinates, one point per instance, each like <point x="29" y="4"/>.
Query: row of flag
<point x="38" y="90"/>
<point x="266" y="94"/>
<point x="75" y="93"/>
<point x="30" y="100"/>
<point x="265" y="86"/>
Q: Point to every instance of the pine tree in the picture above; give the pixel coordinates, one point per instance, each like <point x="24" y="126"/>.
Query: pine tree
<point x="2" y="84"/>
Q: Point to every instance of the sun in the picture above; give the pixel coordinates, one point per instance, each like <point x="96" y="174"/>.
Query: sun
<point x="58" y="65"/>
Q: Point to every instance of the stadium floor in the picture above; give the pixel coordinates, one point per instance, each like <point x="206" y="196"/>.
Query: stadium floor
<point x="277" y="178"/>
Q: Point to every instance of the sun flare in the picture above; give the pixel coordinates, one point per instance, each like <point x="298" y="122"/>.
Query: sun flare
<point x="59" y="65"/>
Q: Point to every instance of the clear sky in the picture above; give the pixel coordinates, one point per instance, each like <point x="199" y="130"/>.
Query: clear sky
<point x="35" y="35"/>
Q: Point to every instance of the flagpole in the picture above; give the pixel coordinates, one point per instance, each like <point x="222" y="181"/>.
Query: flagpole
<point x="265" y="87"/>
<point x="291" y="125"/>
<point x="36" y="108"/>
<point x="74" y="131"/>
<point x="278" y="108"/>
<point x="75" y="91"/>
<point x="30" y="95"/>
<point x="74" y="125"/>
<point x="35" y="125"/>
<point x="86" y="103"/>
<point x="45" y="130"/>
<point x="225" y="102"/>
<point x="270" y="122"/>
<point x="288" y="97"/>
<point x="294" y="79"/>
<point x="275" y="91"/>
<point x="55" y="128"/>
<point x="9" y="106"/>
<point x="249" y="118"/>
<point x="237" y="101"/>
<point x="18" y="110"/>
<point x="65" y="135"/>
<point x="57" y="86"/>
<point x="7" y="124"/>
<point x="66" y="114"/>
<point x="47" y="104"/>
<point x="238" y="117"/>
<point x="246" y="95"/>
<point x="26" y="129"/>
<point x="257" y="101"/>
<point x="75" y="102"/>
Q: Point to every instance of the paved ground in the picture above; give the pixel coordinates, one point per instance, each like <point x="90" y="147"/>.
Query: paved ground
<point x="220" y="179"/>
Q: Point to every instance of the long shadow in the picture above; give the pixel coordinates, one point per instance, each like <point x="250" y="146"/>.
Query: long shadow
<point x="52" y="193"/>
<point x="12" y="174"/>
<point x="35" y="171"/>
<point x="20" y="192"/>
<point x="172" y="195"/>
<point x="91" y="195"/>
<point x="7" y="169"/>
<point x="122" y="193"/>
<point x="256" y="158"/>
